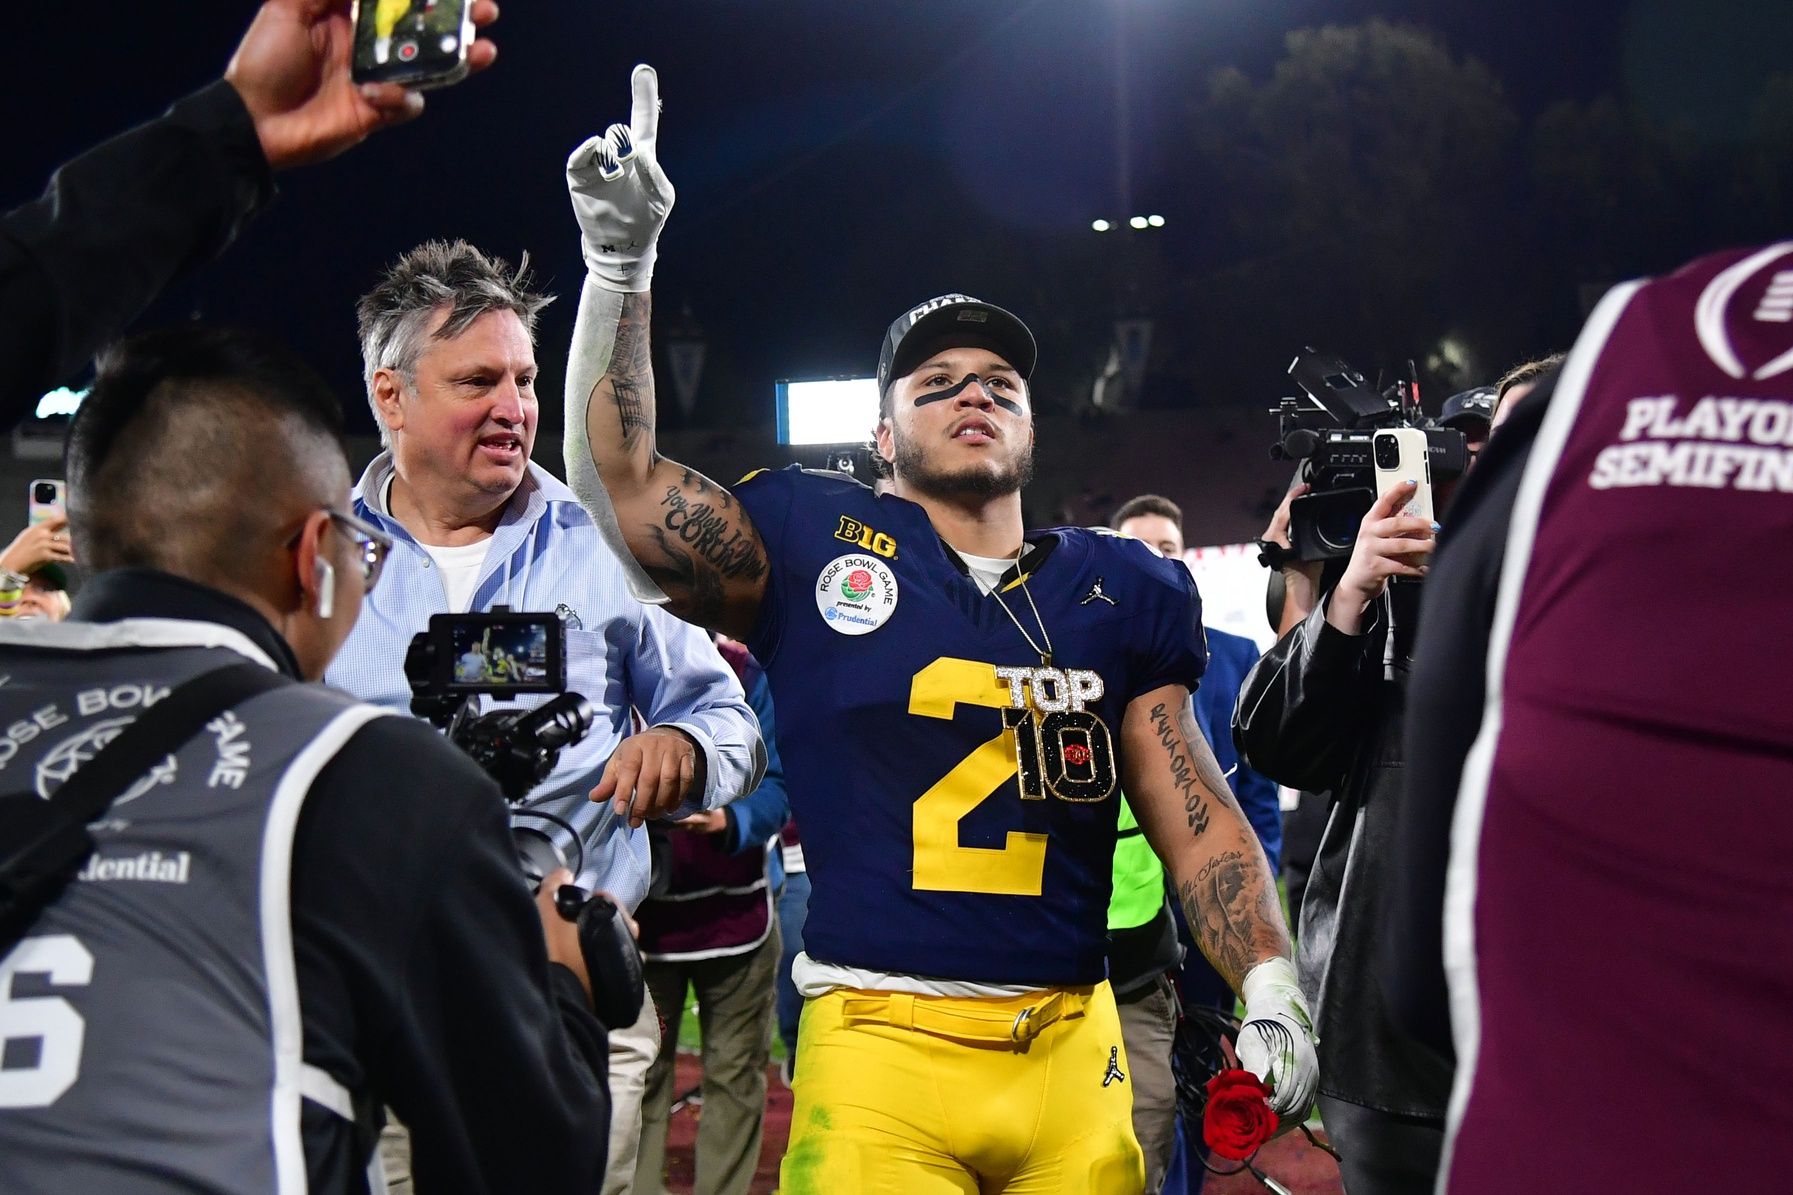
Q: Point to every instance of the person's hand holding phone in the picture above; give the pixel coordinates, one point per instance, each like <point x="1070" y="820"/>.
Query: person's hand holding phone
<point x="39" y="544"/>
<point x="1389" y="544"/>
<point x="292" y="69"/>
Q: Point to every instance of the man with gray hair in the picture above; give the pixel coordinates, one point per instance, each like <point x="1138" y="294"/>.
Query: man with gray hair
<point x="448" y="348"/>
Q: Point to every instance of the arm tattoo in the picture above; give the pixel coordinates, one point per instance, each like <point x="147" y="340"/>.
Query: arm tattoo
<point x="696" y="591"/>
<point x="632" y="371"/>
<point x="1198" y="784"/>
<point x="1231" y="903"/>
<point x="712" y="534"/>
<point x="701" y="543"/>
<point x="1232" y="906"/>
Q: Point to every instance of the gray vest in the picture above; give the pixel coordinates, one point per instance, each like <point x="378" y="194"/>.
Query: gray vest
<point x="151" y="1016"/>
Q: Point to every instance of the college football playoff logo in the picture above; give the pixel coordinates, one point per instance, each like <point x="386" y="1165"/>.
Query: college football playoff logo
<point x="1748" y="310"/>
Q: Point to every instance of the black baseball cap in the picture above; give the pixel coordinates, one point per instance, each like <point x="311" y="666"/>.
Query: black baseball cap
<point x="954" y="321"/>
<point x="1471" y="407"/>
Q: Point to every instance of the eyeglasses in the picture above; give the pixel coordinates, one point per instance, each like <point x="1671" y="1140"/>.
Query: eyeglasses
<point x="374" y="544"/>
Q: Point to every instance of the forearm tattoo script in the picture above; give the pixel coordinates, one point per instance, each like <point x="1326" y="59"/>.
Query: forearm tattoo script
<point x="1231" y="903"/>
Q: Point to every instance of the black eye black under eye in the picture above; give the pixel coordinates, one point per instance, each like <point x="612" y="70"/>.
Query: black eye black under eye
<point x="1007" y="404"/>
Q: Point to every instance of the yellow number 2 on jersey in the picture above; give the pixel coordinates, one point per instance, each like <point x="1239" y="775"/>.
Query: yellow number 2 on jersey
<point x="941" y="864"/>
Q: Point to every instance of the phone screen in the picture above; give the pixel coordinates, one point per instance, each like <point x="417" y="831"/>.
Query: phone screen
<point x="420" y="43"/>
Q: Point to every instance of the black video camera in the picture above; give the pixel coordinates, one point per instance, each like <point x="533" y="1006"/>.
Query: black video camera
<point x="1331" y="431"/>
<point x="463" y="657"/>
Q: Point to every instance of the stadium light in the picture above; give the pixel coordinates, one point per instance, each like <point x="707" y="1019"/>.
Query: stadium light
<point x="60" y="401"/>
<point x="827" y="411"/>
<point x="1101" y="225"/>
<point x="1155" y="221"/>
<point x="1138" y="222"/>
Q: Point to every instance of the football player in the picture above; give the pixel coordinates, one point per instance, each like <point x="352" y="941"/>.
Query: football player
<point x="959" y="699"/>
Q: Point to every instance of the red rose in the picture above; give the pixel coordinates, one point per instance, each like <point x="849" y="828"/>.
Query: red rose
<point x="1237" y="1118"/>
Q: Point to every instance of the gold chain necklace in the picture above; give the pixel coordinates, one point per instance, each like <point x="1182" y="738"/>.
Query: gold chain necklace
<point x="1044" y="653"/>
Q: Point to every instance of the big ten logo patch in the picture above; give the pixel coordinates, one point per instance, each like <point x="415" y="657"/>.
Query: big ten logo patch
<point x="854" y="532"/>
<point x="1062" y="748"/>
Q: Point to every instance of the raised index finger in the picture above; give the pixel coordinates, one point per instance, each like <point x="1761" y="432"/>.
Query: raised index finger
<point x="644" y="117"/>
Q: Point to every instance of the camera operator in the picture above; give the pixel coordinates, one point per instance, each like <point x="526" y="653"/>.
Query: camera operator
<point x="183" y="985"/>
<point x="1322" y="711"/>
<point x="122" y="221"/>
<point x="448" y="352"/>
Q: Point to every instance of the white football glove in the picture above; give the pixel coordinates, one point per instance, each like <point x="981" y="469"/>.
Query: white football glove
<point x="1276" y="1042"/>
<point x="620" y="195"/>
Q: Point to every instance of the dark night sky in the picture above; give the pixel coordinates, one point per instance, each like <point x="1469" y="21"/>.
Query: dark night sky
<point x="817" y="147"/>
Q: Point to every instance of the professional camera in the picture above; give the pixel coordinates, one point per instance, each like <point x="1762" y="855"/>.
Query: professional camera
<point x="1331" y="430"/>
<point x="463" y="657"/>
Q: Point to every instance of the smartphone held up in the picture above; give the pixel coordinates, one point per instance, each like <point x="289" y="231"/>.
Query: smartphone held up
<point x="1401" y="456"/>
<point x="416" y="43"/>
<point x="46" y="498"/>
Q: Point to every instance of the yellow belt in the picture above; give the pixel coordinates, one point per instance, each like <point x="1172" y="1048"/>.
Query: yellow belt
<point x="1009" y="1019"/>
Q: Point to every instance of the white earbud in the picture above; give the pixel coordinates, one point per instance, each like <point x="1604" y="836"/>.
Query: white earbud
<point x="326" y="581"/>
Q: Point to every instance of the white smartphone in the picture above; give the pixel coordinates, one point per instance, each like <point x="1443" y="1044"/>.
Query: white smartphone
<point x="1400" y="455"/>
<point x="46" y="497"/>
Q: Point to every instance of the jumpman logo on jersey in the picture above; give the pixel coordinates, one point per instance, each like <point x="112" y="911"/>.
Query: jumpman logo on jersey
<point x="1114" y="1074"/>
<point x="1095" y="594"/>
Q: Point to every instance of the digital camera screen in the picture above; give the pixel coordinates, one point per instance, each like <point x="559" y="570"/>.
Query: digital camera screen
<point x="501" y="653"/>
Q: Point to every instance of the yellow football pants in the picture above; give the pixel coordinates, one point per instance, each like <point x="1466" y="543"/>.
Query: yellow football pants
<point x="933" y="1095"/>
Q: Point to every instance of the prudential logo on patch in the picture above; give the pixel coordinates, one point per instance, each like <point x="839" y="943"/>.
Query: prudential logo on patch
<point x="856" y="594"/>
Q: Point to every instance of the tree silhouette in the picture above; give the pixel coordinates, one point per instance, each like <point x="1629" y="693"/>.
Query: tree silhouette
<point x="1360" y="197"/>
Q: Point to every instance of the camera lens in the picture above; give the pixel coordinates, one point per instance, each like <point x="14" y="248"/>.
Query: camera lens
<point x="43" y="493"/>
<point x="1336" y="529"/>
<point x="1388" y="452"/>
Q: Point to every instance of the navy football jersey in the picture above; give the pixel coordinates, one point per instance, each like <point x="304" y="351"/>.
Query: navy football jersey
<point x="958" y="799"/>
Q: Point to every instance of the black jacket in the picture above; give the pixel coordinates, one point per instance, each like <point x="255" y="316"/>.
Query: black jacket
<point x="424" y="982"/>
<point x="1323" y="710"/>
<point x="115" y="227"/>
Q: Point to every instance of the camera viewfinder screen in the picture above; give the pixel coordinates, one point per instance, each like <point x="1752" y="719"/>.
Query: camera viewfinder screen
<point x="504" y="656"/>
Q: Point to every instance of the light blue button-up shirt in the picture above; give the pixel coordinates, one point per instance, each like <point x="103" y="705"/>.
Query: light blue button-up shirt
<point x="546" y="556"/>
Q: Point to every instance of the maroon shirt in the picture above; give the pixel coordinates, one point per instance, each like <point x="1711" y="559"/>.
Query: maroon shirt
<point x="1619" y="922"/>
